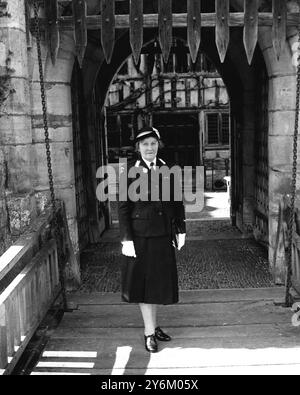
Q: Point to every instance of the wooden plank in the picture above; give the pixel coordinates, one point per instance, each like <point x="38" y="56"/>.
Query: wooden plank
<point x="108" y="28"/>
<point x="40" y="291"/>
<point x="33" y="312"/>
<point x="51" y="11"/>
<point x="272" y="329"/>
<point x="16" y="320"/>
<point x="3" y="348"/>
<point x="45" y="294"/>
<point x="48" y="275"/>
<point x="250" y="28"/>
<point x="210" y="314"/>
<point x="55" y="271"/>
<point x="194" y="27"/>
<point x="23" y="312"/>
<point x="28" y="299"/>
<point x="9" y="327"/>
<point x="3" y="338"/>
<point x="165" y="23"/>
<point x="279" y="25"/>
<point x="222" y="27"/>
<point x="187" y="297"/>
<point x="136" y="28"/>
<point x="107" y="347"/>
<point x="180" y="353"/>
<point x="277" y="370"/>
<point x="236" y="19"/>
<point x="80" y="32"/>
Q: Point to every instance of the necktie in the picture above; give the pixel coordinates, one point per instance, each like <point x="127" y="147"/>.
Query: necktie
<point x="154" y="188"/>
<point x="152" y="166"/>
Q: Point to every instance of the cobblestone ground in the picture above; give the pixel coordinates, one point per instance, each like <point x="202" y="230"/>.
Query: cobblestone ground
<point x="211" y="228"/>
<point x="202" y="264"/>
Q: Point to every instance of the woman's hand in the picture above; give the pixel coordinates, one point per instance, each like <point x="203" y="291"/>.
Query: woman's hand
<point x="181" y="240"/>
<point x="128" y="249"/>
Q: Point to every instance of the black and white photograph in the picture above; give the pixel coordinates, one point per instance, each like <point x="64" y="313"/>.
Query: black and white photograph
<point x="149" y="190"/>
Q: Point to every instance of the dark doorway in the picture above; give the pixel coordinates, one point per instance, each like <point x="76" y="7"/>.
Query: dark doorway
<point x="180" y="134"/>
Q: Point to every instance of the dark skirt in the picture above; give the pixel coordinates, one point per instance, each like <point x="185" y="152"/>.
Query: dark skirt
<point x="151" y="277"/>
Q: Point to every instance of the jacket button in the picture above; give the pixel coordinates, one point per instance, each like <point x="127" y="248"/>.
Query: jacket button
<point x="160" y="213"/>
<point x="137" y="215"/>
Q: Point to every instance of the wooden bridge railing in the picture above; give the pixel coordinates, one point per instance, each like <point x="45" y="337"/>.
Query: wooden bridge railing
<point x="25" y="302"/>
<point x="281" y="248"/>
<point x="30" y="283"/>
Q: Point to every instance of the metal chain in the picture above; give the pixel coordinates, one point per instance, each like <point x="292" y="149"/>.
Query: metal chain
<point x="48" y="151"/>
<point x="288" y="299"/>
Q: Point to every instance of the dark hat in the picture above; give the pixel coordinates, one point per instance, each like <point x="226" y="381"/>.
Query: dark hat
<point x="146" y="132"/>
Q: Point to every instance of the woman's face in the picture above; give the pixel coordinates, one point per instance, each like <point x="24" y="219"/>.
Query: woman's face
<point x="148" y="148"/>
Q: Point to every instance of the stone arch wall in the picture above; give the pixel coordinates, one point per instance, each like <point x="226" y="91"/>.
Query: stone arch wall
<point x="59" y="106"/>
<point x="25" y="145"/>
<point x="17" y="203"/>
<point x="282" y="84"/>
<point x="281" y="79"/>
<point x="281" y="74"/>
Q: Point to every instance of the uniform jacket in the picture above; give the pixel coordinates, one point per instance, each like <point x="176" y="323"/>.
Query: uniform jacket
<point x="150" y="218"/>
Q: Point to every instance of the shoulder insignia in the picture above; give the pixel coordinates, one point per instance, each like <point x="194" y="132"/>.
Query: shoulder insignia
<point x="137" y="163"/>
<point x="163" y="162"/>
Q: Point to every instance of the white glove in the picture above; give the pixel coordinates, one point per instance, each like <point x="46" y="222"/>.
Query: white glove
<point x="128" y="249"/>
<point x="181" y="240"/>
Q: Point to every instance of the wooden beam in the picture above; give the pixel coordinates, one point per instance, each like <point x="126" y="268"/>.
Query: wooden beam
<point x="250" y="28"/>
<point x="165" y="21"/>
<point x="136" y="28"/>
<point x="236" y="19"/>
<point x="80" y="33"/>
<point x="108" y="28"/>
<point x="222" y="27"/>
<point x="194" y="27"/>
<point x="3" y="338"/>
<point x="51" y="11"/>
<point x="279" y="26"/>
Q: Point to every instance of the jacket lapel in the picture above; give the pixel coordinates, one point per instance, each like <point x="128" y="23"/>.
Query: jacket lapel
<point x="143" y="163"/>
<point x="159" y="163"/>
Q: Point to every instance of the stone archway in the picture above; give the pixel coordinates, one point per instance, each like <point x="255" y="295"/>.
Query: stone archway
<point x="281" y="107"/>
<point x="241" y="83"/>
<point x="281" y="78"/>
<point x="281" y="110"/>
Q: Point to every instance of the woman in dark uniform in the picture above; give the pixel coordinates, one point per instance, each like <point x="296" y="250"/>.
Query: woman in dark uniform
<point x="148" y="231"/>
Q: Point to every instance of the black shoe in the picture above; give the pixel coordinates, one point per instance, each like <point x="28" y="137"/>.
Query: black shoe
<point x="161" y="335"/>
<point x="150" y="343"/>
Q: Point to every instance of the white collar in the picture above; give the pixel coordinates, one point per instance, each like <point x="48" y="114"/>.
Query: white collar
<point x="148" y="163"/>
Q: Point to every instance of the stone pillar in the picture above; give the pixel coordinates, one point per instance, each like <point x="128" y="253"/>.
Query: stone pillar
<point x="17" y="203"/>
<point x="282" y="93"/>
<point x="59" y="109"/>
